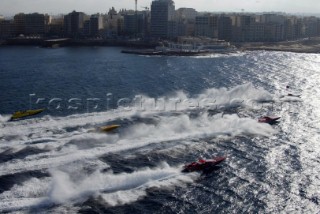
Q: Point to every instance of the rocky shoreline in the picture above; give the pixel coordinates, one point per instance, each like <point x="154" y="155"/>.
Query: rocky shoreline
<point x="310" y="45"/>
<point x="48" y="43"/>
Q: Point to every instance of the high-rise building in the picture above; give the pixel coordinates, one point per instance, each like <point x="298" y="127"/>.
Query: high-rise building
<point x="271" y="17"/>
<point x="202" y="26"/>
<point x="96" y="24"/>
<point x="207" y="26"/>
<point x="273" y="27"/>
<point x="113" y="23"/>
<point x="162" y="19"/>
<point x="134" y="23"/>
<point x="273" y="32"/>
<point x="243" y="28"/>
<point x="213" y="26"/>
<point x="185" y="21"/>
<point x="6" y="29"/>
<point x="146" y="23"/>
<point x="55" y="27"/>
<point x="20" y="23"/>
<point x="35" y="24"/>
<point x="312" y="27"/>
<point x="74" y="23"/>
<point x="225" y="28"/>
<point x="289" y="28"/>
<point x="31" y="24"/>
<point x="187" y="13"/>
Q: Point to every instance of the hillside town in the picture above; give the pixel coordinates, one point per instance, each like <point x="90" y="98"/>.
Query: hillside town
<point x="160" y="21"/>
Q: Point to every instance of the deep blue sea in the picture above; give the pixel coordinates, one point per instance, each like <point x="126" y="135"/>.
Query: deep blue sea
<point x="171" y="111"/>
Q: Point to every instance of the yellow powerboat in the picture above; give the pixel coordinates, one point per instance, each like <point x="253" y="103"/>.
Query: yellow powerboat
<point x="108" y="128"/>
<point x="21" y="114"/>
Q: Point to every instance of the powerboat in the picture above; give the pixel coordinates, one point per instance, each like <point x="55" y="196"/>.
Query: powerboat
<point x="270" y="120"/>
<point x="108" y="128"/>
<point x="22" y="114"/>
<point x="202" y="165"/>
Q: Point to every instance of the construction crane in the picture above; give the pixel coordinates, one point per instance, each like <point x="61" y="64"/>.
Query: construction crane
<point x="136" y="18"/>
<point x="136" y="2"/>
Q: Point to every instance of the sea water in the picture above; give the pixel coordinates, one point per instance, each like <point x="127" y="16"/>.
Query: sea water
<point x="171" y="111"/>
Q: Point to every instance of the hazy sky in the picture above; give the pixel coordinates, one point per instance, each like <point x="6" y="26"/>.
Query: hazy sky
<point x="10" y="7"/>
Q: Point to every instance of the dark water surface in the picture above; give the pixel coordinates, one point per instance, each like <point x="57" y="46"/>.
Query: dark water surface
<point x="172" y="110"/>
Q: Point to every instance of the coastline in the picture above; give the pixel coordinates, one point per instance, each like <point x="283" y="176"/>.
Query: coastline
<point x="62" y="42"/>
<point x="310" y="45"/>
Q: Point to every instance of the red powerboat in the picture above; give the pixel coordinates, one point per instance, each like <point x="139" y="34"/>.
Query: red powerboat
<point x="202" y="165"/>
<point x="270" y="120"/>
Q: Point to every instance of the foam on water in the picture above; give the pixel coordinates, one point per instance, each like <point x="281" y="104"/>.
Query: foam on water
<point x="180" y="118"/>
<point x="65" y="187"/>
<point x="179" y="101"/>
<point x="175" y="128"/>
<point x="113" y="187"/>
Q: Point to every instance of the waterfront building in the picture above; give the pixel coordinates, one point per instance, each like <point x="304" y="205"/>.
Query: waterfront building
<point x="273" y="32"/>
<point x="56" y="27"/>
<point x="6" y="29"/>
<point x="312" y="26"/>
<point x="86" y="28"/>
<point x="260" y="32"/>
<point x="202" y="26"/>
<point x="186" y="13"/>
<point x="300" y="29"/>
<point x="318" y="27"/>
<point x="172" y="29"/>
<point x="273" y="27"/>
<point x="271" y="18"/>
<point x="207" y="26"/>
<point x="96" y="25"/>
<point x="113" y="23"/>
<point x="163" y="22"/>
<point x="134" y="24"/>
<point x="190" y="28"/>
<point x="243" y="28"/>
<point x="74" y="23"/>
<point x="213" y="25"/>
<point x="146" y="23"/>
<point x="130" y="24"/>
<point x="162" y="19"/>
<point x="225" y="28"/>
<point x="181" y="27"/>
<point x="294" y="28"/>
<point x="35" y="24"/>
<point x="31" y="24"/>
<point x="19" y="23"/>
<point x="247" y="23"/>
<point x="185" y="21"/>
<point x="288" y="31"/>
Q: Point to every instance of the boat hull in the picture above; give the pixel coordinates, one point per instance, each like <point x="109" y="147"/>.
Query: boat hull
<point x="203" y="165"/>
<point x="270" y="120"/>
<point x="108" y="128"/>
<point x="23" y="114"/>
